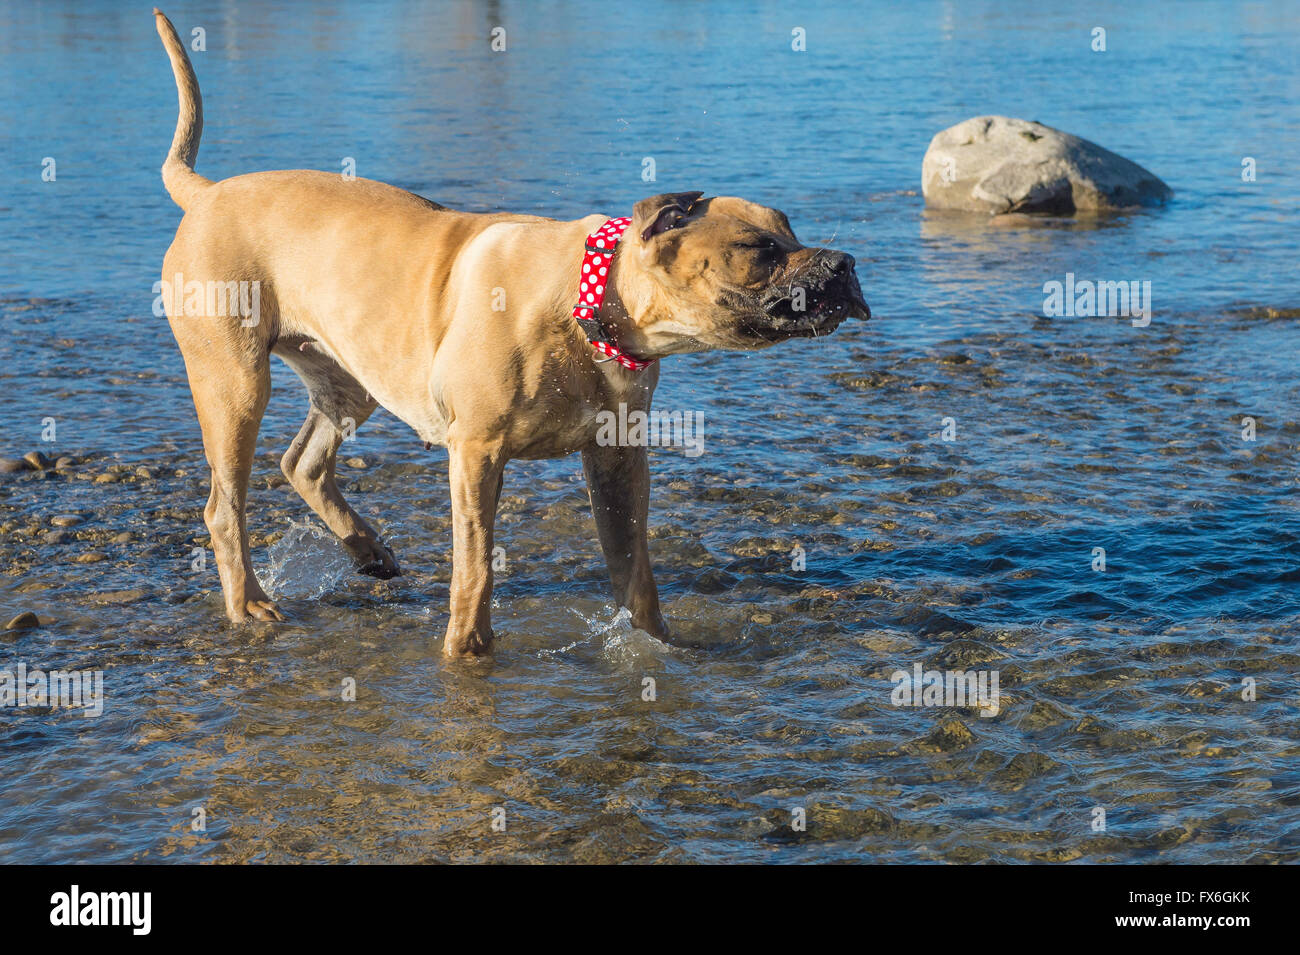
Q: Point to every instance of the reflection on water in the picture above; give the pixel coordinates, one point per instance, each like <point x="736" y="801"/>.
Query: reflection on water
<point x="1120" y="689"/>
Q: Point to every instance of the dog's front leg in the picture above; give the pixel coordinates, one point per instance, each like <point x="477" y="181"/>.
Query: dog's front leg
<point x="475" y="473"/>
<point x="618" y="479"/>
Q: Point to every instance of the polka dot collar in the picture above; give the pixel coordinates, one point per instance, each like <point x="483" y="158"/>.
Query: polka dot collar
<point x="596" y="262"/>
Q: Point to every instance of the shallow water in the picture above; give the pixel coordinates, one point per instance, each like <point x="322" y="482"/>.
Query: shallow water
<point x="1120" y="690"/>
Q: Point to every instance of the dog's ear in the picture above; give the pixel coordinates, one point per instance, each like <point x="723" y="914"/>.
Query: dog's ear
<point x="658" y="214"/>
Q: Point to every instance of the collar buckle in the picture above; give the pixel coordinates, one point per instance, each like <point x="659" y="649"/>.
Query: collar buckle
<point x="590" y="325"/>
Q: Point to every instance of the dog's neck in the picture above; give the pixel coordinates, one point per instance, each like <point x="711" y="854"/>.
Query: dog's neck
<point x="618" y="322"/>
<point x="655" y="332"/>
<point x="633" y="315"/>
<point x="601" y="310"/>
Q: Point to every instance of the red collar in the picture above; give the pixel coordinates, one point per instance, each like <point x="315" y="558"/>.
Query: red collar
<point x="596" y="261"/>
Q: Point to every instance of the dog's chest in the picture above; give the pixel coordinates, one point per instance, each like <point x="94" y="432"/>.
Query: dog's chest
<point x="554" y="429"/>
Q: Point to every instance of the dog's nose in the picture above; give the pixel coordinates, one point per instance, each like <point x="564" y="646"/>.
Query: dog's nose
<point x="839" y="263"/>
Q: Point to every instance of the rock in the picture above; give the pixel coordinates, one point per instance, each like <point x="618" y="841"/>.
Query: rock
<point x="963" y="654"/>
<point x="358" y="463"/>
<point x="24" y="621"/>
<point x="65" y="520"/>
<point x="118" y="597"/>
<point x="948" y="736"/>
<point x="997" y="164"/>
<point x="712" y="581"/>
<point x="65" y="462"/>
<point x="38" y="461"/>
<point x="10" y="466"/>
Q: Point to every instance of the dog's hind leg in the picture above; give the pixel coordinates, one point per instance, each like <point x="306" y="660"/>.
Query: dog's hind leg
<point x="230" y="394"/>
<point x="338" y="402"/>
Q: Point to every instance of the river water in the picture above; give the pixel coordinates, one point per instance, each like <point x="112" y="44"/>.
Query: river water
<point x="827" y="536"/>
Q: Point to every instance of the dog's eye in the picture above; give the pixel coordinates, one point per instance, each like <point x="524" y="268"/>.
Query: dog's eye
<point x="761" y="245"/>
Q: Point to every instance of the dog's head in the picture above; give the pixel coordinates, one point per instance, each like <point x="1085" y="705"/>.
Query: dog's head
<point x="698" y="273"/>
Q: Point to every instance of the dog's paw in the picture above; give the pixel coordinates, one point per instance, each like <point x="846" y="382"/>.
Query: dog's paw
<point x="382" y="569"/>
<point x="264" y="610"/>
<point x="469" y="646"/>
<point x="373" y="558"/>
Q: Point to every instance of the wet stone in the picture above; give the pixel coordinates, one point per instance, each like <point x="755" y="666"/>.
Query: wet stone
<point x="948" y="736"/>
<point x="1025" y="766"/>
<point x="116" y="597"/>
<point x="713" y="582"/>
<point x="1043" y="714"/>
<point x="837" y="822"/>
<point x="963" y="655"/>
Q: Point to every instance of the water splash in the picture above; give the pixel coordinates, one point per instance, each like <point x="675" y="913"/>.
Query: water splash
<point x="618" y="642"/>
<point x="307" y="562"/>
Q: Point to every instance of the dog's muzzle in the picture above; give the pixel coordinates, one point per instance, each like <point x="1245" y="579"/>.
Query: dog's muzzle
<point x="815" y="301"/>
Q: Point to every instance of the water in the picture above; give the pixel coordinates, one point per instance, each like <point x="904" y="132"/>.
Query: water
<point x="1120" y="690"/>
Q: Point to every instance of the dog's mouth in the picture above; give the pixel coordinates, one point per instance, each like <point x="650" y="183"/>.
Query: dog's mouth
<point x="801" y="312"/>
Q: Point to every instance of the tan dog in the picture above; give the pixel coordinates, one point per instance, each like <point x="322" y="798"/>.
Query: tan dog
<point x="375" y="296"/>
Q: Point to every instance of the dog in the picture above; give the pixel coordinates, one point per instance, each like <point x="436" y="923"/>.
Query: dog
<point x="498" y="336"/>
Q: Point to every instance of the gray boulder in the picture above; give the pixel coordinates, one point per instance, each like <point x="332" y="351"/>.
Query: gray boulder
<point x="997" y="164"/>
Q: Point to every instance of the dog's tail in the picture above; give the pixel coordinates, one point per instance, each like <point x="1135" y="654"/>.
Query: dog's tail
<point x="182" y="182"/>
